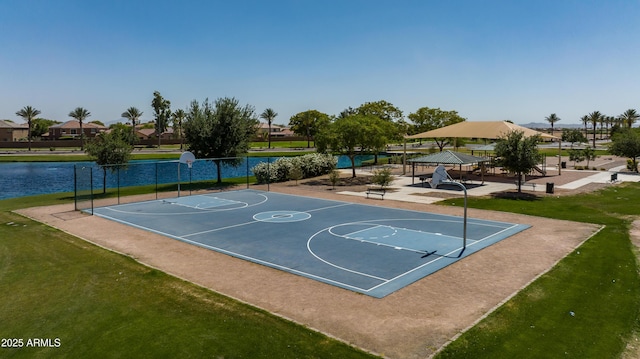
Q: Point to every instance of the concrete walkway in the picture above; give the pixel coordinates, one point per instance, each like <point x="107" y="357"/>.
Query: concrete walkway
<point x="403" y="188"/>
<point x="602" y="177"/>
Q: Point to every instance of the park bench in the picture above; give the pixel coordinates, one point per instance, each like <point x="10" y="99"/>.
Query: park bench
<point x="529" y="184"/>
<point x="378" y="191"/>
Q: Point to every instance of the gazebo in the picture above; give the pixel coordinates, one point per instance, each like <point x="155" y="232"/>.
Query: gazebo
<point x="447" y="158"/>
<point x="483" y="129"/>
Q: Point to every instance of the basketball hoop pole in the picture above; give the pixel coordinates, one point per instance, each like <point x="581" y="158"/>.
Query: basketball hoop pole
<point x="188" y="158"/>
<point x="464" y="230"/>
<point x="440" y="175"/>
<point x="179" y="178"/>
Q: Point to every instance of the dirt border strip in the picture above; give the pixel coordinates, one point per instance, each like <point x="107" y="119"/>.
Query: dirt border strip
<point x="413" y="322"/>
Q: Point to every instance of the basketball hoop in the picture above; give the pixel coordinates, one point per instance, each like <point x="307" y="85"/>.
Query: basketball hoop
<point x="188" y="158"/>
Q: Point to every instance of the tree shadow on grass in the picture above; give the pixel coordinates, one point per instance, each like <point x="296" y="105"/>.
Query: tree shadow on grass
<point x="519" y="196"/>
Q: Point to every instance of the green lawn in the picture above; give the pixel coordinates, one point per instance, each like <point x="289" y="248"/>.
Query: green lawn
<point x="587" y="306"/>
<point x="135" y="156"/>
<point x="104" y="305"/>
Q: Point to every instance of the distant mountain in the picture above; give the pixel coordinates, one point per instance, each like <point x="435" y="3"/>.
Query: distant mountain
<point x="544" y="125"/>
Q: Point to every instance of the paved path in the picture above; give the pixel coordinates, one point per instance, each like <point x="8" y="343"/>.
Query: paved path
<point x="404" y="188"/>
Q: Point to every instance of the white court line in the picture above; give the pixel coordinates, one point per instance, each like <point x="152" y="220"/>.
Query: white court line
<point x="383" y="281"/>
<point x="220" y="228"/>
<point x="245" y="257"/>
<point x="329" y="207"/>
<point x="201" y="210"/>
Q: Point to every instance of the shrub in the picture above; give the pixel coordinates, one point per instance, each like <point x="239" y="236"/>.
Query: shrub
<point x="334" y="177"/>
<point x="311" y="165"/>
<point x="382" y="177"/>
<point x="295" y="174"/>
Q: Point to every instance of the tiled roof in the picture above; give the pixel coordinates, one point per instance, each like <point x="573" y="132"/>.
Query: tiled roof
<point x="76" y="124"/>
<point x="8" y="124"/>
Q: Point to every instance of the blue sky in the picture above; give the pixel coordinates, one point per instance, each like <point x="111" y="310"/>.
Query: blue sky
<point x="488" y="60"/>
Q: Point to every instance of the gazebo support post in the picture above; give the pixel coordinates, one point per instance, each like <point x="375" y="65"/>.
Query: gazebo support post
<point x="559" y="157"/>
<point x="404" y="158"/>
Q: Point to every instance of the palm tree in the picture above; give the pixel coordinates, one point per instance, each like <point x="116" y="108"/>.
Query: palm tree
<point x="585" y="121"/>
<point x="80" y="114"/>
<point x="552" y="119"/>
<point x="178" y="117"/>
<point x="629" y="117"/>
<point x="602" y="121"/>
<point x="269" y="115"/>
<point x="594" y="117"/>
<point x="132" y="114"/>
<point x="28" y="113"/>
<point x="609" y="121"/>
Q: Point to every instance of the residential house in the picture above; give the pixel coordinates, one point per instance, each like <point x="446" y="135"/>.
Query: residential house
<point x="276" y="130"/>
<point x="71" y="129"/>
<point x="11" y="132"/>
<point x="149" y="133"/>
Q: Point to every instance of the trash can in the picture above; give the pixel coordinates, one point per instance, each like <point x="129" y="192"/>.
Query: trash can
<point x="549" y="187"/>
<point x="614" y="177"/>
<point x="563" y="165"/>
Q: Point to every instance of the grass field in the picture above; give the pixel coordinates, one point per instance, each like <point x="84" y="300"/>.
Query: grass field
<point x="587" y="306"/>
<point x="103" y="304"/>
<point x="135" y="156"/>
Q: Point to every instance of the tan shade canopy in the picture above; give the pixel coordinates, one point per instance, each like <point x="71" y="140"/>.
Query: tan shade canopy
<point x="480" y="129"/>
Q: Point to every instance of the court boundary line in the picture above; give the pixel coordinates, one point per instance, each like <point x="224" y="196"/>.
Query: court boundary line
<point x="383" y="281"/>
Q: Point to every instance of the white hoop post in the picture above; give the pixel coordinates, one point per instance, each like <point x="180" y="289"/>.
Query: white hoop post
<point x="188" y="158"/>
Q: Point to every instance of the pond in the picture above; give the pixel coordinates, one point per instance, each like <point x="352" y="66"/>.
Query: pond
<point x="18" y="179"/>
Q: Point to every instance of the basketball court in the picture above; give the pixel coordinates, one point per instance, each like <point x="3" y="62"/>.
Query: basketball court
<point x="363" y="248"/>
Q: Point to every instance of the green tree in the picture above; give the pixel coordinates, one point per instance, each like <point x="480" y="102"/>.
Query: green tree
<point x="220" y="131"/>
<point x="308" y="123"/>
<point x="387" y="112"/>
<point x="110" y="150"/>
<point x="629" y="117"/>
<point x="427" y="119"/>
<point x="382" y="109"/>
<point x="178" y="117"/>
<point x="589" y="154"/>
<point x="162" y="113"/>
<point x="576" y="155"/>
<point x="40" y="126"/>
<point x="626" y="143"/>
<point x="518" y="154"/>
<point x="574" y="136"/>
<point x="28" y="113"/>
<point x="80" y="114"/>
<point x="552" y="119"/>
<point x="133" y="115"/>
<point x="353" y="135"/>
<point x="269" y="115"/>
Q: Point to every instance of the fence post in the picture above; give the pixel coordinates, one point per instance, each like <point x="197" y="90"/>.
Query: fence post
<point x="75" y="187"/>
<point x="156" y="180"/>
<point x="91" y="186"/>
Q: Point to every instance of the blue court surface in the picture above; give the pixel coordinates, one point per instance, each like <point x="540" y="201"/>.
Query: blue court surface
<point x="368" y="249"/>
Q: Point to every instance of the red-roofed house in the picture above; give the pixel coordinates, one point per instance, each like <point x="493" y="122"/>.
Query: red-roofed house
<point x="71" y="129"/>
<point x="276" y="130"/>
